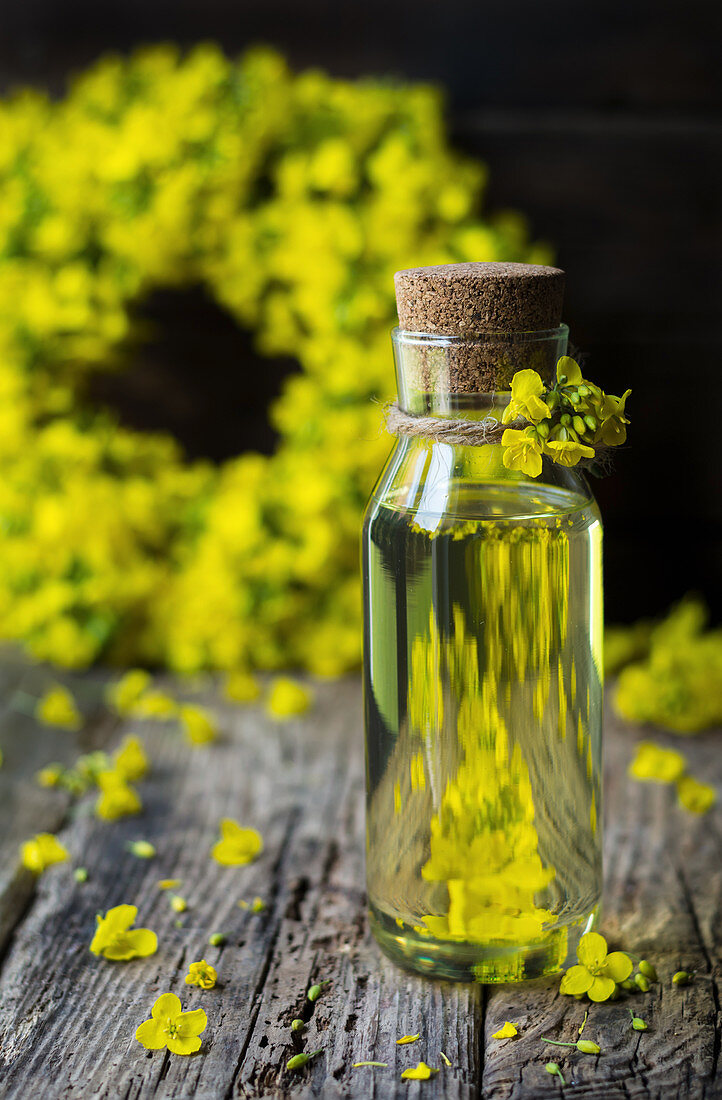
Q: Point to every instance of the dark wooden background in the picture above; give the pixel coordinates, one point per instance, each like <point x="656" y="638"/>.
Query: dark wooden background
<point x="601" y="121"/>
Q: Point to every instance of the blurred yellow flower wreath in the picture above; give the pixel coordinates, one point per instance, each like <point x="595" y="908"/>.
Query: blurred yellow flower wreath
<point x="293" y="199"/>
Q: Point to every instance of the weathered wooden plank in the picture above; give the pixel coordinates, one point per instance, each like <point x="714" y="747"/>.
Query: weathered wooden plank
<point x="68" y="1016"/>
<point x="27" y="746"/>
<point x="663" y="900"/>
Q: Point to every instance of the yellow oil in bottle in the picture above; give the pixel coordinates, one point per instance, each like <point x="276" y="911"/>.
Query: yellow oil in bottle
<point x="483" y="702"/>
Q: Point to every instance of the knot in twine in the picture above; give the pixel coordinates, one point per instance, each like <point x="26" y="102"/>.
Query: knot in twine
<point x="467" y="433"/>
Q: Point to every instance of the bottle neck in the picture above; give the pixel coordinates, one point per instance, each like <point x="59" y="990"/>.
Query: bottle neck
<point x="469" y="377"/>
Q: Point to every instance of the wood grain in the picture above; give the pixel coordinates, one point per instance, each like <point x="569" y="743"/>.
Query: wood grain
<point x="67" y="1019"/>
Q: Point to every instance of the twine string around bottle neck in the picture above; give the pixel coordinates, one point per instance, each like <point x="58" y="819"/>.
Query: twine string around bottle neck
<point x="438" y="429"/>
<point x="469" y="433"/>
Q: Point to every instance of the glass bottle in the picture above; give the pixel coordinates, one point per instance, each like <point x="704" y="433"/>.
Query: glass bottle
<point x="482" y="684"/>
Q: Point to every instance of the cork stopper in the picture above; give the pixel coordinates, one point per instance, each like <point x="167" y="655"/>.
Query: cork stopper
<point x="492" y="307"/>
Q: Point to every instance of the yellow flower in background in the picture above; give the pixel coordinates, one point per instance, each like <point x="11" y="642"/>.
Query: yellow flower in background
<point x="201" y="974"/>
<point x="522" y="451"/>
<point x="126" y="692"/>
<point x="237" y="845"/>
<point x="241" y="687"/>
<point x="115" y="939"/>
<point x="155" y="704"/>
<point x="527" y="389"/>
<point x="41" y="852"/>
<point x="653" y="762"/>
<point x="57" y="708"/>
<point x="287" y="698"/>
<point x="114" y="547"/>
<point x="597" y="972"/>
<point x="117" y="798"/>
<point x="198" y="725"/>
<point x="694" y="796"/>
<point x="130" y="761"/>
<point x="170" y="1027"/>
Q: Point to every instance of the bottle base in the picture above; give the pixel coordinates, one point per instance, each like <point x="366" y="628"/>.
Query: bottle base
<point x="472" y="962"/>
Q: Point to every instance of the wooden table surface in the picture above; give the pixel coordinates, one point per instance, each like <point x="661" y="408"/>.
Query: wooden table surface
<point x="67" y="1018"/>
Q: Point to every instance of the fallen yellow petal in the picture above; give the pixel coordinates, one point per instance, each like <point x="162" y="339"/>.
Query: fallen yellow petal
<point x="507" y="1031"/>
<point x="422" y="1072"/>
<point x="408" y="1039"/>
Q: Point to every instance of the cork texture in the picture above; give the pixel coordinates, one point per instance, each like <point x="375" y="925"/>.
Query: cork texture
<point x="488" y="305"/>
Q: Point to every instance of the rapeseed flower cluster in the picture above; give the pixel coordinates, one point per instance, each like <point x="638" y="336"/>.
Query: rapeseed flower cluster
<point x="567" y="421"/>
<point x="675" y="678"/>
<point x="293" y="199"/>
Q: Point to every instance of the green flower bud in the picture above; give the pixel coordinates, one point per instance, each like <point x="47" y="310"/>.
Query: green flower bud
<point x="553" y="1068"/>
<point x="542" y="430"/>
<point x="641" y="983"/>
<point x="588" y="1047"/>
<point x="681" y="978"/>
<point x="637" y="1022"/>
<point x="565" y="419"/>
<point x="583" y="389"/>
<point x="575" y="398"/>
<point x="552" y="400"/>
<point x="591" y="423"/>
<point x="300" y="1060"/>
<point x="80" y="874"/>
<point x="579" y="426"/>
<point x="628" y="984"/>
<point x="648" y="970"/>
<point x="562" y="379"/>
<point x="315" y="991"/>
<point x="297" y="1025"/>
<point x="216" y="939"/>
<point x="142" y="849"/>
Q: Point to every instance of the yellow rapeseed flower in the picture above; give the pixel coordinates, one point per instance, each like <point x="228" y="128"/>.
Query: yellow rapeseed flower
<point x="57" y="707"/>
<point x="170" y="1027"/>
<point x="287" y="698"/>
<point x="241" y="687"/>
<point x="117" y="798"/>
<point x="199" y="725"/>
<point x="201" y="974"/>
<point x="155" y="704"/>
<point x="568" y="452"/>
<point x="527" y="389"/>
<point x="115" y="938"/>
<point x="653" y="762"/>
<point x="237" y="845"/>
<point x="597" y="972"/>
<point x="43" y="850"/>
<point x="126" y="692"/>
<point x="694" y="796"/>
<point x="130" y="761"/>
<point x="522" y="451"/>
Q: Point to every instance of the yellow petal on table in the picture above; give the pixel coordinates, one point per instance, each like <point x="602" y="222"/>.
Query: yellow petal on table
<point x="506" y="1031"/>
<point x="408" y="1039"/>
<point x="696" y="797"/>
<point x="421" y="1072"/>
<point x="655" y="763"/>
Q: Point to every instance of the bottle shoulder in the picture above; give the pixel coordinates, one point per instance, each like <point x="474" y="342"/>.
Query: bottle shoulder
<point x="435" y="481"/>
